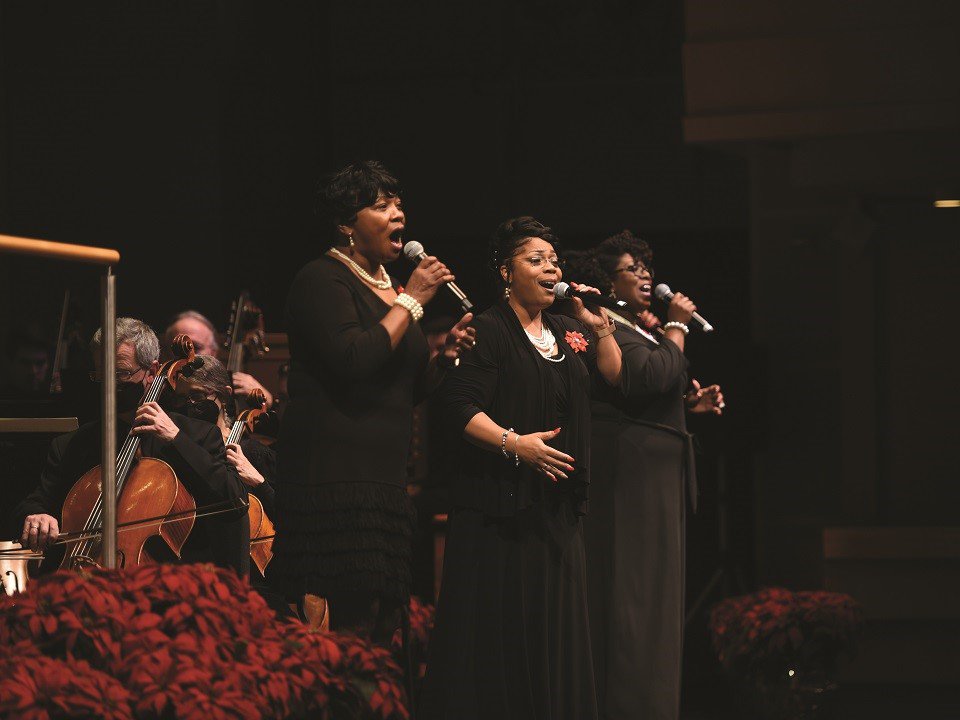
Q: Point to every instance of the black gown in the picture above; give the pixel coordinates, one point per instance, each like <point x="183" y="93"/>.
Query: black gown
<point x="344" y="520"/>
<point x="641" y="464"/>
<point x="511" y="638"/>
<point x="198" y="458"/>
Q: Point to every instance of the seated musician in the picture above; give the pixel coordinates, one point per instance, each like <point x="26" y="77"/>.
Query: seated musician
<point x="209" y="397"/>
<point x="193" y="448"/>
<point x="204" y="335"/>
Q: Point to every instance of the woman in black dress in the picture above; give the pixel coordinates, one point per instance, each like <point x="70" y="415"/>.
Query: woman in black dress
<point x="359" y="364"/>
<point x="642" y="462"/>
<point x="511" y="638"/>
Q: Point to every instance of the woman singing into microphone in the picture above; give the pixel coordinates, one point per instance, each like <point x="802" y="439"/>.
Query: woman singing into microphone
<point x="642" y="468"/>
<point x="359" y="364"/>
<point x="511" y="637"/>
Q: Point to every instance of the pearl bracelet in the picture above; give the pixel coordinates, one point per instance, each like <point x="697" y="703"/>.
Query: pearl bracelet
<point x="678" y="325"/>
<point x="409" y="304"/>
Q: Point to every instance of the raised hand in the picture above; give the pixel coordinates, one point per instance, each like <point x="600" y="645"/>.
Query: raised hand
<point x="428" y="276"/>
<point x="152" y="420"/>
<point x="245" y="469"/>
<point x="681" y="309"/>
<point x="595" y="318"/>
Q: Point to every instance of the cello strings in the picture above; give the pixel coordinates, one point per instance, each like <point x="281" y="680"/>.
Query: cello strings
<point x="124" y="462"/>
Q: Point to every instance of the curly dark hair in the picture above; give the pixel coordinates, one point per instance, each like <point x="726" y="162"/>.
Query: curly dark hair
<point x="582" y="266"/>
<point x="609" y="252"/>
<point x="598" y="266"/>
<point x="346" y="192"/>
<point x="511" y="235"/>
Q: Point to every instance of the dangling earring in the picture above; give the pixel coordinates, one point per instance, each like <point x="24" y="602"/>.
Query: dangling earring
<point x="506" y="293"/>
<point x="352" y="243"/>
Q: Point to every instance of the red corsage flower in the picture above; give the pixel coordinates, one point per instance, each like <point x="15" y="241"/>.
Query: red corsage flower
<point x="576" y="341"/>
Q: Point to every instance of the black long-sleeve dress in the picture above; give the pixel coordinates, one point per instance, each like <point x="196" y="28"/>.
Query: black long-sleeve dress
<point x="641" y="465"/>
<point x="198" y="458"/>
<point x="511" y="638"/>
<point x="344" y="520"/>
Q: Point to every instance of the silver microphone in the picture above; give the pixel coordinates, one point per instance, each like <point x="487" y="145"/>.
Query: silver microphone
<point x="663" y="292"/>
<point x="415" y="253"/>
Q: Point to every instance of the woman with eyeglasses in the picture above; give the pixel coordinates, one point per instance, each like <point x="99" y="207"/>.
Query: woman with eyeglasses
<point x="511" y="638"/>
<point x="642" y="476"/>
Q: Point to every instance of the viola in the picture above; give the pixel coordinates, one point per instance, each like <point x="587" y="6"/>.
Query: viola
<point x="150" y="499"/>
<point x="261" y="527"/>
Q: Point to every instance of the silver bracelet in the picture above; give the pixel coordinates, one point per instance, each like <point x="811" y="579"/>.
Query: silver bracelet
<point x="503" y="442"/>
<point x="678" y="325"/>
<point x="409" y="304"/>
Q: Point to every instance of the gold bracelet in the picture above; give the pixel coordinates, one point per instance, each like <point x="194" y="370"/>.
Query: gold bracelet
<point x="608" y="330"/>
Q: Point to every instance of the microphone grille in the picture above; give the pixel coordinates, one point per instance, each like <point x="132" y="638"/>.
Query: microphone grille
<point x="662" y="292"/>
<point x="412" y="249"/>
<point x="560" y="290"/>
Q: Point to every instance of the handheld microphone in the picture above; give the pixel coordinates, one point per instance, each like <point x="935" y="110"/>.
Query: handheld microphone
<point x="415" y="253"/>
<point x="563" y="291"/>
<point x="663" y="292"/>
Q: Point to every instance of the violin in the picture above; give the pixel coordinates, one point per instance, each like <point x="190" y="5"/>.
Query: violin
<point x="150" y="499"/>
<point x="261" y="527"/>
<point x="246" y="335"/>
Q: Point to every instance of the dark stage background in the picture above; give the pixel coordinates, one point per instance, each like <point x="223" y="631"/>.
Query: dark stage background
<point x="781" y="157"/>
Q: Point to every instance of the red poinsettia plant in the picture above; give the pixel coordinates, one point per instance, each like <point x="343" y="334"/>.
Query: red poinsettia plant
<point x="775" y="631"/>
<point x="165" y="641"/>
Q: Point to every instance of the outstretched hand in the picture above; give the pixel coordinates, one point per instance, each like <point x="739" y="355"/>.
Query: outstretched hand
<point x="533" y="450"/>
<point x="704" y="399"/>
<point x="461" y="338"/>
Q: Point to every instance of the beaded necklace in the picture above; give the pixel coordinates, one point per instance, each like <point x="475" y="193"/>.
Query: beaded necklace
<point x="384" y="284"/>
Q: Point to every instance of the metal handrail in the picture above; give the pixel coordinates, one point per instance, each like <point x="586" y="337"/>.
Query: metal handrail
<point x="108" y="317"/>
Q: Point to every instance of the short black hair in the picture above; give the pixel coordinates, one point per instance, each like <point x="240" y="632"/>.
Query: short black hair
<point x="346" y="192"/>
<point x="511" y="235"/>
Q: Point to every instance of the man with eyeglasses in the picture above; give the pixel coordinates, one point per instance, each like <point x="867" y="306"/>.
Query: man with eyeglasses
<point x="193" y="448"/>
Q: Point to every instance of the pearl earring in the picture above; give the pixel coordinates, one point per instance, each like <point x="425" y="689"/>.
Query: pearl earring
<point x="352" y="243"/>
<point x="506" y="293"/>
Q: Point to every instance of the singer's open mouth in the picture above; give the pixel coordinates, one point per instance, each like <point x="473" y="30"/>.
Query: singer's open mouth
<point x="396" y="237"/>
<point x="548" y="284"/>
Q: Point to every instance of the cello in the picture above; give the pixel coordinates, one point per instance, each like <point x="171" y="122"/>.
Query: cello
<point x="148" y="492"/>
<point x="261" y="527"/>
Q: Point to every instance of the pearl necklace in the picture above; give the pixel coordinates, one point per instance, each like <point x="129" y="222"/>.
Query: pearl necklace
<point x="545" y="342"/>
<point x="384" y="284"/>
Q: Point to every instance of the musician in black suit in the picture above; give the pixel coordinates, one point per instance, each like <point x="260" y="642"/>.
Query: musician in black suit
<point x="193" y="448"/>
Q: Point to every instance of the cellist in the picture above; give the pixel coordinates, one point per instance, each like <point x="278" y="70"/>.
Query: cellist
<point x="193" y="448"/>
